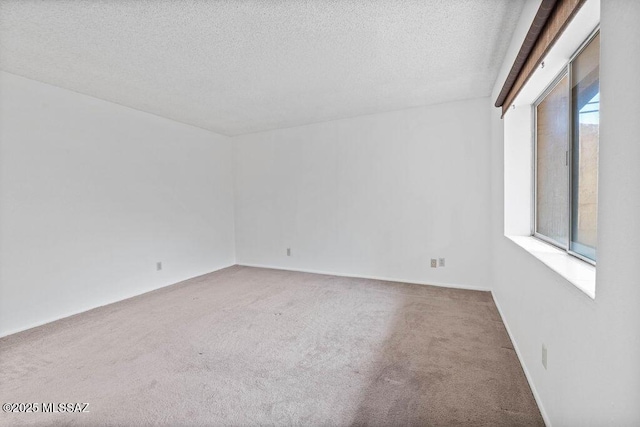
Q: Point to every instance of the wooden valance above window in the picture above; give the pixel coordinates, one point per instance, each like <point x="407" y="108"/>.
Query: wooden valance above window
<point x="550" y="21"/>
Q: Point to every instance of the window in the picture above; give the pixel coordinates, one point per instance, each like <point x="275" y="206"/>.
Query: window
<point x="567" y="118"/>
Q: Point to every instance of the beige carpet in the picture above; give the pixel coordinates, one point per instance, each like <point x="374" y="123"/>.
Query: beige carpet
<point x="249" y="346"/>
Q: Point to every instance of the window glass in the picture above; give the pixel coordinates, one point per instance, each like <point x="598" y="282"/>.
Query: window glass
<point x="552" y="187"/>
<point x="585" y="100"/>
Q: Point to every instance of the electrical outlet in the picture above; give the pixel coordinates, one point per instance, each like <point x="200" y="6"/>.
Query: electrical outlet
<point x="434" y="263"/>
<point x="158" y="266"/>
<point x="288" y="251"/>
<point x="544" y="356"/>
<point x="441" y="262"/>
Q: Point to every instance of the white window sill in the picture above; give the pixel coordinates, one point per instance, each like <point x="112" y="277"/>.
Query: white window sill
<point x="581" y="274"/>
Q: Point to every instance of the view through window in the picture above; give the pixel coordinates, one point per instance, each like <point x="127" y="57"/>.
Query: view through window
<point x="567" y="129"/>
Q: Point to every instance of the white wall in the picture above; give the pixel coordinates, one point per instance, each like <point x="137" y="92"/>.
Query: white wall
<point x="593" y="375"/>
<point x="374" y="196"/>
<point x="93" y="194"/>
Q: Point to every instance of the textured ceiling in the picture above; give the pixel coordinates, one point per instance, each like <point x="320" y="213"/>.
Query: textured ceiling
<point x="236" y="67"/>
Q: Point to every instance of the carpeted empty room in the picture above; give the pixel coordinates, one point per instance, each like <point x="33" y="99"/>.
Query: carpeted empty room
<point x="319" y="213"/>
<point x="245" y="346"/>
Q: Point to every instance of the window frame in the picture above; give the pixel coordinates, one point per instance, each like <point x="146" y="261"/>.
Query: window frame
<point x="565" y="71"/>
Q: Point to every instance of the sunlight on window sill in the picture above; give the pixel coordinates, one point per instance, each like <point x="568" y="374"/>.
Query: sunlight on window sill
<point x="579" y="273"/>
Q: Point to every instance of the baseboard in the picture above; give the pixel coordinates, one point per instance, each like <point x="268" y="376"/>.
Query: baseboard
<point x="536" y="396"/>
<point x="85" y="309"/>
<point x="359" y="276"/>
